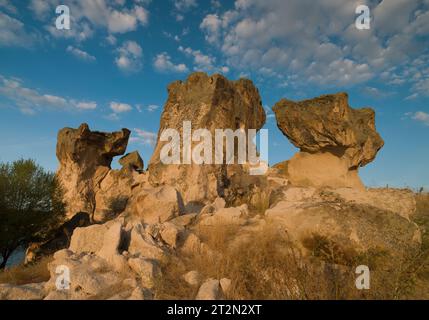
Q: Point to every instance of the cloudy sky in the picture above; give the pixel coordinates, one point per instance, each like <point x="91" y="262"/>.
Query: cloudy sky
<point x="112" y="67"/>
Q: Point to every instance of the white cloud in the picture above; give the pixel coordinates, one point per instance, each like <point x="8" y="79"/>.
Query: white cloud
<point x="163" y="63"/>
<point x="325" y="47"/>
<point x="212" y="25"/>
<point x="184" y="5"/>
<point x="118" y="107"/>
<point x="112" y="117"/>
<point x="203" y="62"/>
<point x="41" y="7"/>
<point x="215" y="4"/>
<point x="113" y="16"/>
<point x="422" y="117"/>
<point x="111" y="39"/>
<point x="29" y="100"/>
<point x="91" y="105"/>
<point x="80" y="31"/>
<point x="13" y="33"/>
<point x="143" y="137"/>
<point x="83" y="55"/>
<point x="152" y="107"/>
<point x="125" y="21"/>
<point x="130" y="56"/>
<point x="8" y="6"/>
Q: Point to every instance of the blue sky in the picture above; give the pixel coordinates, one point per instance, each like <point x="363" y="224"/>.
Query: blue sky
<point x="112" y="68"/>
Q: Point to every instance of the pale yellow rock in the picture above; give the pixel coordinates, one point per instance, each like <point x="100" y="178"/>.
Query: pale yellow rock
<point x="210" y="102"/>
<point x="157" y="205"/>
<point x="226" y="216"/>
<point x="143" y="244"/>
<point x="225" y="284"/>
<point x="209" y="290"/>
<point x="171" y="233"/>
<point x="322" y="170"/>
<point x="193" y="278"/>
<point x="146" y="269"/>
<point x="88" y="239"/>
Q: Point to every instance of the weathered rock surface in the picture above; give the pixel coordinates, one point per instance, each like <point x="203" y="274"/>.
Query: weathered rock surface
<point x="114" y="192"/>
<point x="132" y="160"/>
<point x="226" y="216"/>
<point x="209" y="290"/>
<point x="209" y="102"/>
<point x="157" y="205"/>
<point x="85" y="157"/>
<point x="351" y="223"/>
<point x="334" y="140"/>
<point x="115" y="260"/>
<point x="89" y="239"/>
<point x="193" y="278"/>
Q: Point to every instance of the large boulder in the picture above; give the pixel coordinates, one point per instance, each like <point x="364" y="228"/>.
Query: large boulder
<point x="156" y="205"/>
<point x="89" y="239"/>
<point x="334" y="140"/>
<point x="85" y="157"/>
<point x="208" y="102"/>
<point x="132" y="160"/>
<point x="210" y="290"/>
<point x="360" y="222"/>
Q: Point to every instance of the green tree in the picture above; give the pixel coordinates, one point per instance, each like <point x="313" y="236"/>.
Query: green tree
<point x="31" y="206"/>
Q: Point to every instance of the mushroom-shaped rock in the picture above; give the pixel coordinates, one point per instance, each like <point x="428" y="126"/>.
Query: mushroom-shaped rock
<point x="334" y="140"/>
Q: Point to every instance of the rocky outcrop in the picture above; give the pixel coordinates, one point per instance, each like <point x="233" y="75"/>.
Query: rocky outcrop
<point x="192" y="217"/>
<point x="85" y="157"/>
<point x="209" y="290"/>
<point x="89" y="183"/>
<point x="132" y="160"/>
<point x="208" y="102"/>
<point x="361" y="220"/>
<point x="334" y="140"/>
<point x="158" y="204"/>
<point x="115" y="260"/>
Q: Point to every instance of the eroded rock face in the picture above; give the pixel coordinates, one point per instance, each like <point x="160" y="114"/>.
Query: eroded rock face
<point x="132" y="160"/>
<point x="362" y="220"/>
<point x="85" y="157"/>
<point x="330" y="134"/>
<point x="208" y="102"/>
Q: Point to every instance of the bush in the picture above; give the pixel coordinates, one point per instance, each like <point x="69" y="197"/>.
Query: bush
<point x="31" y="206"/>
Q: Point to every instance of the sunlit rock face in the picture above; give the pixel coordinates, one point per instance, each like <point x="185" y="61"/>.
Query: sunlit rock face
<point x="85" y="157"/>
<point x="208" y="102"/>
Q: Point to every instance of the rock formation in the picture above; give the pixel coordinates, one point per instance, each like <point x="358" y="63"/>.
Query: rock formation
<point x="334" y="140"/>
<point x="209" y="102"/>
<point x="144" y="227"/>
<point x="132" y="160"/>
<point x="85" y="158"/>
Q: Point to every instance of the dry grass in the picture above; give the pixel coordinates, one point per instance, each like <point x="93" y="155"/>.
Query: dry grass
<point x="267" y="265"/>
<point x="263" y="266"/>
<point x="32" y="273"/>
<point x="421" y="218"/>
